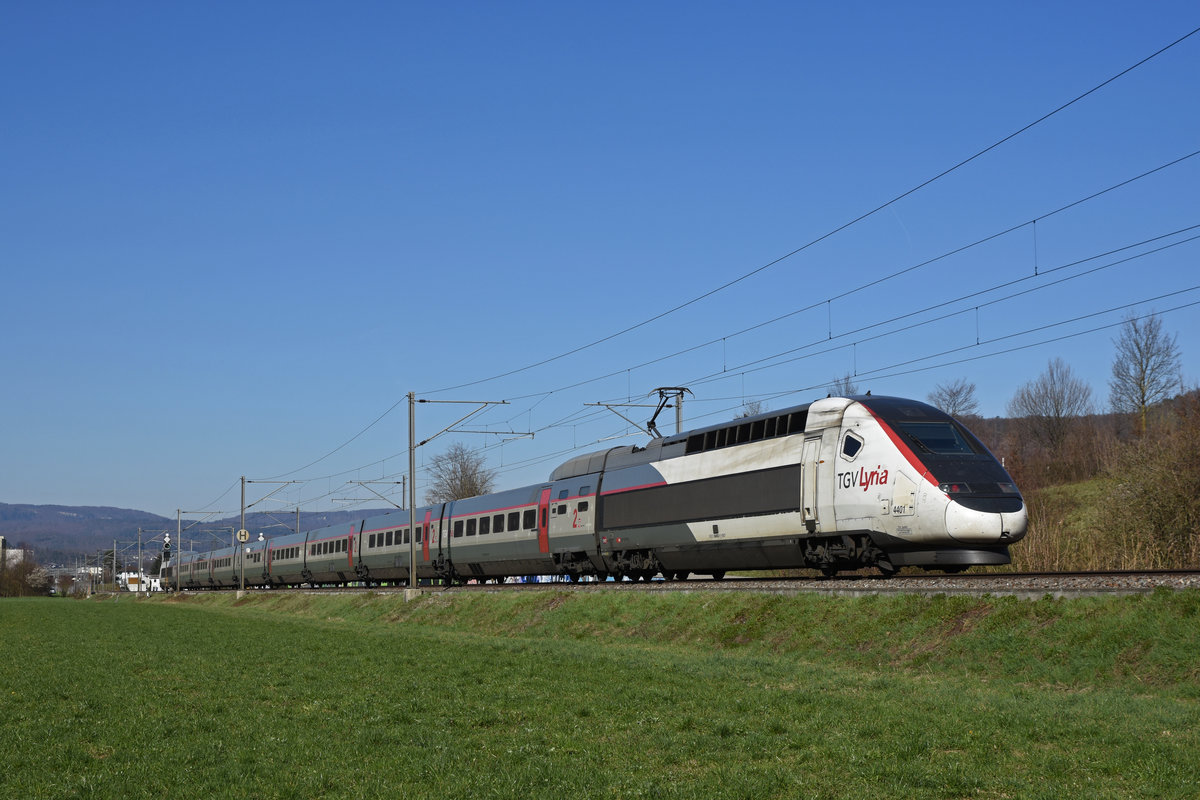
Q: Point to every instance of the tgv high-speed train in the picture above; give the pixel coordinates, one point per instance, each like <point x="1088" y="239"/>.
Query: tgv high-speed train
<point x="839" y="484"/>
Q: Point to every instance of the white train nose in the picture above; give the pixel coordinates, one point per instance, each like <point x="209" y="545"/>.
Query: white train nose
<point x="984" y="527"/>
<point x="1015" y="525"/>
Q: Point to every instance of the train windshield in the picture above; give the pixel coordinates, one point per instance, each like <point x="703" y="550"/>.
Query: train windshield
<point x="940" y="438"/>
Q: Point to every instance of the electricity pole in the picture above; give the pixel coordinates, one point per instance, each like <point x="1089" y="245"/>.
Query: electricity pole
<point x="412" y="467"/>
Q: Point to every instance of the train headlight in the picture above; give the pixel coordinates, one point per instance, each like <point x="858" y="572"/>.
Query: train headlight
<point x="1007" y="488"/>
<point x="954" y="488"/>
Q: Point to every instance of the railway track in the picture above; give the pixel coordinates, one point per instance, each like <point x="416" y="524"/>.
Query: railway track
<point x="1031" y="585"/>
<point x="1027" y="585"/>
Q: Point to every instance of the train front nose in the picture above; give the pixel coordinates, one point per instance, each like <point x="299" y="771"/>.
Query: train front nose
<point x="975" y="526"/>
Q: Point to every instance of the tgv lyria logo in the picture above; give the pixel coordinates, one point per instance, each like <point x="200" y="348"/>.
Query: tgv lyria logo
<point x="876" y="477"/>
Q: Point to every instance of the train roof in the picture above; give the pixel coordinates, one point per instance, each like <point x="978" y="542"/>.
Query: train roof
<point x="815" y="415"/>
<point x="658" y="449"/>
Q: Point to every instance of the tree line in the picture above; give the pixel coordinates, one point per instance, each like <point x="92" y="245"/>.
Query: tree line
<point x="1110" y="487"/>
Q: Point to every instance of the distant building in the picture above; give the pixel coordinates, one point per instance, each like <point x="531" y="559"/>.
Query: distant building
<point x="138" y="582"/>
<point x="11" y="556"/>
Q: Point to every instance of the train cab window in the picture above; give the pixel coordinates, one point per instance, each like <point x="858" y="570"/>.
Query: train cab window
<point x="498" y="523"/>
<point x="851" y="444"/>
<point x="471" y="527"/>
<point x="942" y="438"/>
<point x="485" y="526"/>
<point x="530" y="519"/>
<point x="458" y="528"/>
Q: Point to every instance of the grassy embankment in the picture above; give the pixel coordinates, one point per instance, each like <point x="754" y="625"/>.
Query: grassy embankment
<point x="601" y="695"/>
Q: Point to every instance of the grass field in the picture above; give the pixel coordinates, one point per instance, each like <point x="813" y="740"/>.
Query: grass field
<point x="601" y="695"/>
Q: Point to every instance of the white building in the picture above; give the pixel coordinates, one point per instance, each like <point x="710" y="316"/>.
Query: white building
<point x="138" y="582"/>
<point x="10" y="556"/>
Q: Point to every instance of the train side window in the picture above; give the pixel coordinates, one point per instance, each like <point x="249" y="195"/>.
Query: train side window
<point x="485" y="526"/>
<point x="584" y="491"/>
<point x="371" y="540"/>
<point x="514" y="520"/>
<point x="498" y="523"/>
<point x="530" y="519"/>
<point x="404" y="536"/>
<point x="390" y="534"/>
<point x="458" y="528"/>
<point x="471" y="527"/>
<point x="851" y="444"/>
<point x="562" y="495"/>
<point x="583" y="506"/>
<point x="562" y="509"/>
<point x="420" y="533"/>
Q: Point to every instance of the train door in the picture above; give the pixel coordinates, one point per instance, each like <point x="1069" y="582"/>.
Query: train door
<point x="810" y="461"/>
<point x="544" y="521"/>
<point x="425" y="536"/>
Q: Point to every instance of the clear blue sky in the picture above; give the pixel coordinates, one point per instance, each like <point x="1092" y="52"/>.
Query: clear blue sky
<point x="233" y="235"/>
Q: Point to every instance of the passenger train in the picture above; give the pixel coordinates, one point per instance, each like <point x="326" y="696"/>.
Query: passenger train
<point x="843" y="483"/>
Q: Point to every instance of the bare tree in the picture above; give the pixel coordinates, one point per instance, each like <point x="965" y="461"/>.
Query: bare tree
<point x="844" y="386"/>
<point x="956" y="398"/>
<point x="1049" y="405"/>
<point x="752" y="408"/>
<point x="458" y="473"/>
<point x="1145" y="369"/>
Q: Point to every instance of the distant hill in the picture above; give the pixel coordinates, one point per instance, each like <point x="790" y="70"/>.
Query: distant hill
<point x="62" y="534"/>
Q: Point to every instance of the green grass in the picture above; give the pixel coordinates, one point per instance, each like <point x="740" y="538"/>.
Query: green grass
<point x="601" y="695"/>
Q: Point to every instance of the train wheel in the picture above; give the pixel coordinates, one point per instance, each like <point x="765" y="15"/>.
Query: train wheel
<point x="718" y="575"/>
<point x="886" y="569"/>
